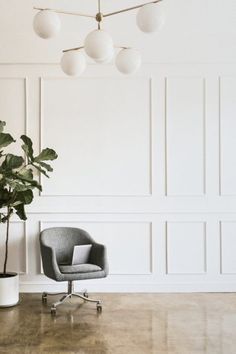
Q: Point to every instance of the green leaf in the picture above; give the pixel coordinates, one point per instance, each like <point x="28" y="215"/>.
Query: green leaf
<point x="2" y="125"/>
<point x="4" y="219"/>
<point x="25" y="197"/>
<point x="46" y="165"/>
<point x="17" y="185"/>
<point x="5" y="140"/>
<point x="27" y="181"/>
<point x="16" y="178"/>
<point x="15" y="204"/>
<point x="27" y="146"/>
<point x="20" y="211"/>
<point x="11" y="182"/>
<point x="26" y="173"/>
<point x="5" y="197"/>
<point x="46" y="154"/>
<point x="41" y="170"/>
<point x="11" y="162"/>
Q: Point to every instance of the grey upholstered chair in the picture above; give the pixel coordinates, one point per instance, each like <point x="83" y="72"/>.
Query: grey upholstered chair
<point x="57" y="245"/>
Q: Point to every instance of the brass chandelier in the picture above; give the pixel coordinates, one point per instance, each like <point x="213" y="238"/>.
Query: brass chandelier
<point x="98" y="44"/>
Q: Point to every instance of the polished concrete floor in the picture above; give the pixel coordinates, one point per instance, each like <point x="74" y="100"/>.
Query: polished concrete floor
<point x="129" y="324"/>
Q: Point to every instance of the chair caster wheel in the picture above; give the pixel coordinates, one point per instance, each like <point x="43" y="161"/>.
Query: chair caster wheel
<point x="85" y="294"/>
<point x="44" y="298"/>
<point x="99" y="308"/>
<point x="53" y="311"/>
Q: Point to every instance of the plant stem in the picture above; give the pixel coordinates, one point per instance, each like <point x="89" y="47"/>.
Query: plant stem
<point x="7" y="239"/>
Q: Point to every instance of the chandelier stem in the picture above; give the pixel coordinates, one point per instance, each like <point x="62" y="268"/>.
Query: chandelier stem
<point x="131" y="8"/>
<point x="64" y="12"/>
<point x="71" y="49"/>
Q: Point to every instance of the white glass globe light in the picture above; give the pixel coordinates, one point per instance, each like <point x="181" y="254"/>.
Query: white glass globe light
<point x="98" y="45"/>
<point x="128" y="61"/>
<point x="46" y="24"/>
<point x="105" y="60"/>
<point x="150" y="18"/>
<point x="73" y="63"/>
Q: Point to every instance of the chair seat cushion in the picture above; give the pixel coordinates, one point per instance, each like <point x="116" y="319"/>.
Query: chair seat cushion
<point x="79" y="268"/>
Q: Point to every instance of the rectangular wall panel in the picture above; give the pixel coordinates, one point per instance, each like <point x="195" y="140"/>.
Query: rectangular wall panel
<point x="17" y="256"/>
<point x="228" y="247"/>
<point x="101" y="131"/>
<point x="186" y="247"/>
<point x="13" y="108"/>
<point x="185" y="136"/>
<point x="227" y="135"/>
<point x="129" y="244"/>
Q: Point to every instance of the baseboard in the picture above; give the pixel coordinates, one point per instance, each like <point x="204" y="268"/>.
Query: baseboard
<point x="38" y="287"/>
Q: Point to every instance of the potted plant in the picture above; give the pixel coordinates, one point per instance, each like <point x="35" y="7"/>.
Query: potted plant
<point x="17" y="182"/>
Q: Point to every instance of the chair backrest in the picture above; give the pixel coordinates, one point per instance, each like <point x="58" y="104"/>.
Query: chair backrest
<point x="63" y="240"/>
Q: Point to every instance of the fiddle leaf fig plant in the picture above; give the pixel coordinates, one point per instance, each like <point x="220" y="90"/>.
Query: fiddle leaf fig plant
<point x="17" y="179"/>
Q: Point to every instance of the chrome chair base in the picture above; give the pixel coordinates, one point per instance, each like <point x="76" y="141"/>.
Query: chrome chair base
<point x="70" y="293"/>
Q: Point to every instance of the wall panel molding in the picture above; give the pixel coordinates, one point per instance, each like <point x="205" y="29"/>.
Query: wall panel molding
<point x="173" y="164"/>
<point x="186" y="247"/>
<point x="126" y="250"/>
<point x="184" y="188"/>
<point x="25" y="89"/>
<point x="148" y="122"/>
<point x="25" y="269"/>
<point x="227" y="107"/>
<point x="227" y="247"/>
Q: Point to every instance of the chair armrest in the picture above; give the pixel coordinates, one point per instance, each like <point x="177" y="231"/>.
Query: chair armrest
<point x="49" y="260"/>
<point x="98" y="256"/>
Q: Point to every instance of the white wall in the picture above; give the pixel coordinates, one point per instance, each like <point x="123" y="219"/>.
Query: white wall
<point x="146" y="163"/>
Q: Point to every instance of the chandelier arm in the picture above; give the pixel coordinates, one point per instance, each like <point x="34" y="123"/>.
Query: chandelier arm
<point x="131" y="8"/>
<point x="64" y="12"/>
<point x="121" y="47"/>
<point x="71" y="49"/>
<point x="82" y="47"/>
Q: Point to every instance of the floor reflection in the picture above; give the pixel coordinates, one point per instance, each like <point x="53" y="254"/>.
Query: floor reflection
<point x="129" y="323"/>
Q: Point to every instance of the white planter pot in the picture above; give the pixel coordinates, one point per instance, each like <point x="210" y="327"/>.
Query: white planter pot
<point x="9" y="290"/>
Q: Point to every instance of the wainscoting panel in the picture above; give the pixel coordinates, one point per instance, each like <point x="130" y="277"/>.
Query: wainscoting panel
<point x="185" y="136"/>
<point x="186" y="247"/>
<point x="13" y="106"/>
<point x="145" y="164"/>
<point x="103" y="135"/>
<point x="17" y="257"/>
<point x="228" y="247"/>
<point x="227" y="135"/>
<point x="129" y="244"/>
